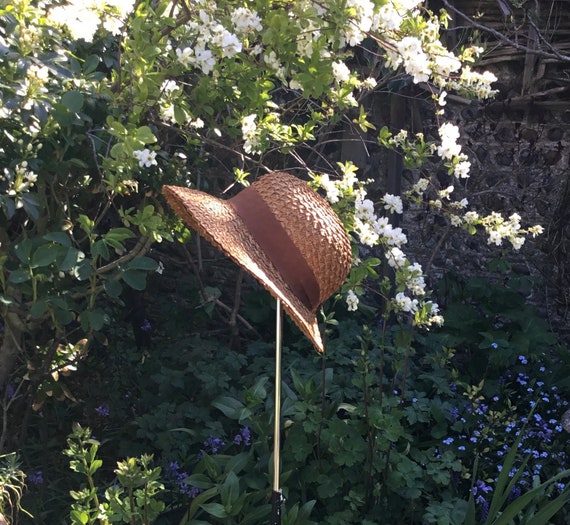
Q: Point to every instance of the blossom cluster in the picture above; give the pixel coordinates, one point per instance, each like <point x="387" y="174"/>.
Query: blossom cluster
<point x="212" y="41"/>
<point x="422" y="55"/>
<point x="178" y="477"/>
<point x="33" y="86"/>
<point x="83" y="18"/>
<point x="450" y="150"/>
<point x="373" y="230"/>
<point x="243" y="437"/>
<point x="497" y="227"/>
<point x="250" y="134"/>
<point x="19" y="181"/>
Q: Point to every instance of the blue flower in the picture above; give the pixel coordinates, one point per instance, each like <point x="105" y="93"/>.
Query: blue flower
<point x="454" y="413"/>
<point x="448" y="441"/>
<point x="515" y="493"/>
<point x="494" y="345"/>
<point x="214" y="444"/>
<point x="244" y="437"/>
<point x="10" y="390"/>
<point x="523" y="359"/>
<point x="146" y="326"/>
<point x="103" y="410"/>
<point x="177" y="477"/>
<point x="36" y="477"/>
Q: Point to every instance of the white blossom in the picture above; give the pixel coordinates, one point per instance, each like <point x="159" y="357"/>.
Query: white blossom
<point x="449" y="133"/>
<point x="246" y="21"/>
<point x="249" y="132"/>
<point x="340" y="71"/>
<point x="352" y="301"/>
<point x="393" y="203"/>
<point x="396" y="258"/>
<point x="146" y="157"/>
<point x="331" y="188"/>
<point x="405" y="303"/>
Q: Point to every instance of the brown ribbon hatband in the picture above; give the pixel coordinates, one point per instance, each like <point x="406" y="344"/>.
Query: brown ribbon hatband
<point x="277" y="245"/>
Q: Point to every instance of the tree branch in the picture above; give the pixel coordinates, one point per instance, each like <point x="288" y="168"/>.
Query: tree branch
<point x="553" y="54"/>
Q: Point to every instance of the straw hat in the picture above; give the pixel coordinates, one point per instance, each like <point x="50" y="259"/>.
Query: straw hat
<point x="283" y="233"/>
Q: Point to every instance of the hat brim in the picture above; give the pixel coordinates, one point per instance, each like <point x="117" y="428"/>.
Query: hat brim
<point x="217" y="221"/>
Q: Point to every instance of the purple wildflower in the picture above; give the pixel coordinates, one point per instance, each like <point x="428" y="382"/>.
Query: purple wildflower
<point x="454" y="414"/>
<point x="103" y="410"/>
<point x="213" y="444"/>
<point x="244" y="436"/>
<point x="178" y="477"/>
<point x="146" y="326"/>
<point x="10" y="390"/>
<point x="36" y="477"/>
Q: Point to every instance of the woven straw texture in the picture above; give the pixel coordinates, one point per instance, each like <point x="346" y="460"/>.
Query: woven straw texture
<point x="309" y="221"/>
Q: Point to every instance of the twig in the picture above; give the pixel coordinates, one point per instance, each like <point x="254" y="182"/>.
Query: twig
<point x="142" y="246"/>
<point x="500" y="36"/>
<point x="437" y="247"/>
<point x="237" y="299"/>
<point x="207" y="299"/>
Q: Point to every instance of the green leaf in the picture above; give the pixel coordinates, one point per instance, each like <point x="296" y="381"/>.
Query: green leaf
<point x="83" y="270"/>
<point x="197" y="503"/>
<point x="237" y="463"/>
<point x="59" y="237"/>
<point x="23" y="250"/>
<point x="113" y="287"/>
<point x="91" y="63"/>
<point x="73" y="101"/>
<point x="145" y="135"/>
<point x="136" y="279"/>
<point x="116" y="236"/>
<point x="96" y="318"/>
<point x="99" y="249"/>
<point x="232" y="408"/>
<point x="38" y="308"/>
<point x="31" y="205"/>
<point x="19" y="276"/>
<point x="143" y="263"/>
<point x="86" y="224"/>
<point x="180" y="116"/>
<point x="63" y="316"/>
<point x="45" y="255"/>
<point x="215" y="509"/>
<point x="229" y="491"/>
<point x="78" y="516"/>
<point x="199" y="480"/>
<point x="549" y="510"/>
<point x="70" y="260"/>
<point x="257" y="515"/>
<point x="95" y="465"/>
<point x="9" y="206"/>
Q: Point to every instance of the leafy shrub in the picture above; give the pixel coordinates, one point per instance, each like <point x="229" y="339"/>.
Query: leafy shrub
<point x="386" y="424"/>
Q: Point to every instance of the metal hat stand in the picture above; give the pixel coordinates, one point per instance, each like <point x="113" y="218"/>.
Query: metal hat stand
<point x="277" y="497"/>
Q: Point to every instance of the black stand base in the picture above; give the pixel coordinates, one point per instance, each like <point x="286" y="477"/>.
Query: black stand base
<point x="276" y="502"/>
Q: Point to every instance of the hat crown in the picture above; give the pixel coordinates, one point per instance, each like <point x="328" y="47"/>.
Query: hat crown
<point x="312" y="226"/>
